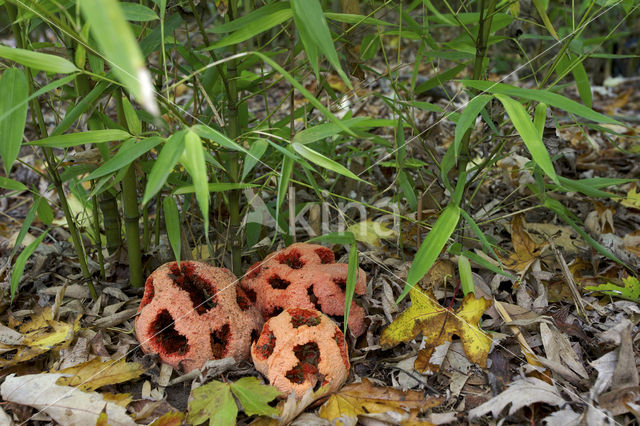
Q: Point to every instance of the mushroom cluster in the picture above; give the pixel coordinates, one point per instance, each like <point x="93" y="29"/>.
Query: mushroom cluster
<point x="193" y="312"/>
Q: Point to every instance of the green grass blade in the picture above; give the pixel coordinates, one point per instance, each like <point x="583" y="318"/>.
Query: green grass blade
<point x="350" y="286"/>
<point x="468" y="119"/>
<point x="120" y="48"/>
<point x="74" y="139"/>
<point x="431" y="247"/>
<point x="14" y="90"/>
<point x="466" y="277"/>
<point x="164" y="164"/>
<point x="38" y="61"/>
<point x="258" y="23"/>
<point x="256" y="151"/>
<point x="193" y="160"/>
<point x="172" y="223"/>
<point x="322" y="161"/>
<point x="21" y="261"/>
<point x="530" y="136"/>
<point x="128" y="152"/>
<point x="207" y="132"/>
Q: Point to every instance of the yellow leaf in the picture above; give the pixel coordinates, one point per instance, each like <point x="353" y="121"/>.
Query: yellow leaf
<point x="41" y="334"/>
<point x="95" y="373"/>
<point x="366" y="399"/>
<point x="122" y="399"/>
<point x="172" y="418"/>
<point x="633" y="199"/>
<point x="438" y="325"/>
<point x="371" y="232"/>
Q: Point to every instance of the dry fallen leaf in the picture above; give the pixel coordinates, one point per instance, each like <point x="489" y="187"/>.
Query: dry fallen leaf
<point x="39" y="335"/>
<point x="526" y="251"/>
<point x="520" y="393"/>
<point x="65" y="404"/>
<point x="371" y="232"/>
<point x="438" y="325"/>
<point x="95" y="373"/>
<point x="384" y="403"/>
<point x="632" y="200"/>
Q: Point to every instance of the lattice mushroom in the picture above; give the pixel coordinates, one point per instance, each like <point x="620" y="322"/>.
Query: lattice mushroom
<point x="194" y="313"/>
<point x="301" y="349"/>
<point x="304" y="276"/>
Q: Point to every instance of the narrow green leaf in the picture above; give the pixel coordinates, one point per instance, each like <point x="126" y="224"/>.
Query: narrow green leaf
<point x="120" y="48"/>
<point x="466" y="277"/>
<point x="255" y="26"/>
<point x="326" y="130"/>
<point x="80" y="108"/>
<point x="38" y="61"/>
<point x="172" y="223"/>
<point x="335" y="238"/>
<point x="164" y="164"/>
<point x="575" y="66"/>
<point x="545" y="19"/>
<point x="215" y="187"/>
<point x="128" y="152"/>
<point x="468" y="119"/>
<point x="350" y="18"/>
<point x="540" y="117"/>
<point x="407" y="190"/>
<point x="255" y="397"/>
<point x="73" y="139"/>
<point x="310" y="20"/>
<point x="545" y="96"/>
<point x="207" y="132"/>
<point x="256" y="151"/>
<point x="193" y="160"/>
<point x="431" y="247"/>
<point x="440" y="79"/>
<point x="137" y="12"/>
<point x="530" y="136"/>
<point x="283" y="185"/>
<point x="322" y="161"/>
<point x="476" y="230"/>
<point x="21" y="261"/>
<point x="14" y="90"/>
<point x="11" y="185"/>
<point x="26" y="224"/>
<point x="133" y="122"/>
<point x="585" y="187"/>
<point x="45" y="213"/>
<point x="350" y="286"/>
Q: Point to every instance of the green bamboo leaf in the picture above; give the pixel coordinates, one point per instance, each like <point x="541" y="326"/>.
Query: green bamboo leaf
<point x="310" y="21"/>
<point x="193" y="160"/>
<point x="547" y="97"/>
<point x="256" y="151"/>
<point x="128" y="152"/>
<point x="164" y="164"/>
<point x="350" y="286"/>
<point x="545" y="19"/>
<point x="440" y="79"/>
<point x="14" y="90"/>
<point x="407" y="190"/>
<point x="172" y="223"/>
<point x="21" y="261"/>
<point x="354" y="19"/>
<point x="137" y="12"/>
<point x="431" y="247"/>
<point x="575" y="66"/>
<point x="322" y="161"/>
<point x="45" y="213"/>
<point x="468" y="119"/>
<point x="11" y="185"/>
<point x="73" y="139"/>
<point x="26" y="224"/>
<point x="215" y="187"/>
<point x="283" y="185"/>
<point x="476" y="230"/>
<point x="540" y="117"/>
<point x="326" y="130"/>
<point x="466" y="277"/>
<point x="120" y="48"/>
<point x="530" y="136"/>
<point x="207" y="132"/>
<point x="258" y="23"/>
<point x="133" y="122"/>
<point x="38" y="61"/>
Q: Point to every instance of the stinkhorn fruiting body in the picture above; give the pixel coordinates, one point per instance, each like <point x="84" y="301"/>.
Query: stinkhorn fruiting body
<point x="193" y="313"/>
<point x="304" y="276"/>
<point x="301" y="349"/>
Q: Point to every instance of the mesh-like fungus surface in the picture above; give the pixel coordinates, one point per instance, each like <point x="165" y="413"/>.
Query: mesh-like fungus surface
<point x="192" y="313"/>
<point x="301" y="349"/>
<point x="304" y="276"/>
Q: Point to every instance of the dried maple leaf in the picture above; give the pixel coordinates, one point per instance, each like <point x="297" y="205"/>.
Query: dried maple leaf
<point x="526" y="251"/>
<point x="438" y="325"/>
<point x="361" y="399"/>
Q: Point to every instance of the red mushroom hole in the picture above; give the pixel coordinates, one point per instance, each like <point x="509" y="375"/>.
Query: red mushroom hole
<point x="292" y="259"/>
<point x="325" y="255"/>
<point x="300" y="317"/>
<point x="309" y="357"/>
<point x="166" y="336"/>
<point x="219" y="341"/>
<point x="201" y="292"/>
<point x="278" y="283"/>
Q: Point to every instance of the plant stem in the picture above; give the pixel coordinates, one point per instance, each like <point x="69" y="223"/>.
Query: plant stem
<point x="131" y="212"/>
<point x="50" y="162"/>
